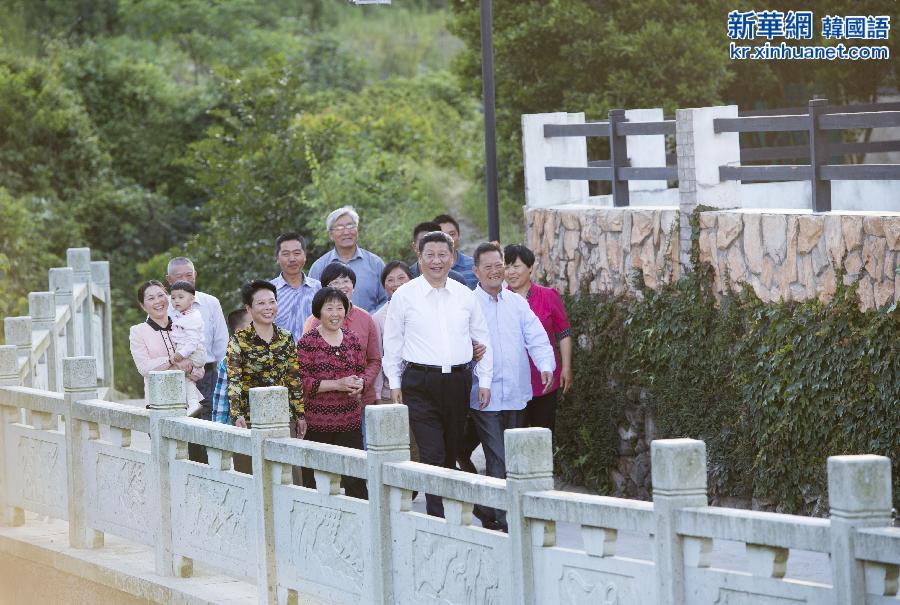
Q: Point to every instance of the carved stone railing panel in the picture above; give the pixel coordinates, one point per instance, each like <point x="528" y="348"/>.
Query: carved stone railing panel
<point x="319" y="546"/>
<point x="213" y="514"/>
<point x="117" y="489"/>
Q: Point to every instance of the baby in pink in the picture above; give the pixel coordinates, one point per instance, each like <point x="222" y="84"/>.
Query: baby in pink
<point x="187" y="330"/>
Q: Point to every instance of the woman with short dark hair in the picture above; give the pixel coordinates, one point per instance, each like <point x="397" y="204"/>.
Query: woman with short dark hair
<point x="548" y="306"/>
<point x="262" y="355"/>
<point x="332" y="363"/>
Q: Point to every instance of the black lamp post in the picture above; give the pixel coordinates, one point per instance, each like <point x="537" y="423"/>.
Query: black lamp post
<point x="490" y="119"/>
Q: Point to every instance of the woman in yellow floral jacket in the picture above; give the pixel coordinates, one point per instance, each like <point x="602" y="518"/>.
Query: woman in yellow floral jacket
<point x="263" y="355"/>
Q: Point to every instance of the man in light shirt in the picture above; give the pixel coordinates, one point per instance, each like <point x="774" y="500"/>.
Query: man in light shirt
<point x="295" y="288"/>
<point x="215" y="330"/>
<point x="343" y="229"/>
<point x="428" y="334"/>
<point x="516" y="334"/>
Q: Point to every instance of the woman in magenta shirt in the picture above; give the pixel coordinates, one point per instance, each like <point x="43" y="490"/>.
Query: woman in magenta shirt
<point x="548" y="306"/>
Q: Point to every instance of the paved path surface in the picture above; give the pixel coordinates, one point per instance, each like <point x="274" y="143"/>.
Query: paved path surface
<point x="802" y="565"/>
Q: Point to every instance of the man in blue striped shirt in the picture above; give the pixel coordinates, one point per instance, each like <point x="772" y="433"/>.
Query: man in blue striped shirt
<point x="295" y="290"/>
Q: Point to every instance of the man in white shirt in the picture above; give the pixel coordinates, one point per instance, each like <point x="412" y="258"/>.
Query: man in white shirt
<point x="516" y="334"/>
<point x="428" y="334"/>
<point x="215" y="330"/>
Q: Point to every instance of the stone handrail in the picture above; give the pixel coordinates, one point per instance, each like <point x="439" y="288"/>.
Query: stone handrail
<point x="320" y="544"/>
<point x="72" y="318"/>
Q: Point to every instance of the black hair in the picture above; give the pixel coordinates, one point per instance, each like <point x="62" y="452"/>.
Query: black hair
<point x="249" y="290"/>
<point x="326" y="295"/>
<point x="426" y="227"/>
<point x="335" y="270"/>
<point x="395" y="264"/>
<point x="288" y="237"/>
<point x="436" y="236"/>
<point x="514" y="252"/>
<point x="142" y="289"/>
<point x="183" y="285"/>
<point x="234" y="318"/>
<point x="446" y="218"/>
<point x="484" y="249"/>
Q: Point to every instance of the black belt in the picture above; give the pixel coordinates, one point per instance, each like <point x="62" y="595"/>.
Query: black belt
<point x="427" y="368"/>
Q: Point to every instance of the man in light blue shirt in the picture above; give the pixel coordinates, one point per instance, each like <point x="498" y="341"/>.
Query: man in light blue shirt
<point x="516" y="334"/>
<point x="343" y="229"/>
<point x="295" y="290"/>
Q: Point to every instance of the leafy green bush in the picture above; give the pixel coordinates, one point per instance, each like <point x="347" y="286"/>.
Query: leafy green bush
<point x="773" y="389"/>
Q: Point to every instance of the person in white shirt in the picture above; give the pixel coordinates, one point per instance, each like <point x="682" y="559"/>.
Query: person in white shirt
<point x="428" y="334"/>
<point x="215" y="330"/>
<point x="187" y="333"/>
<point x="516" y="334"/>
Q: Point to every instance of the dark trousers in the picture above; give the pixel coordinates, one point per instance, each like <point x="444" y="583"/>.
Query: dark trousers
<point x="197" y="453"/>
<point x="541" y="411"/>
<point x="353" y="486"/>
<point x="490" y="427"/>
<point x="437" y="405"/>
<point x="470" y="439"/>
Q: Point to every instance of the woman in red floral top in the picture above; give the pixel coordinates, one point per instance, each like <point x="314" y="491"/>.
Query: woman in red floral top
<point x="331" y="363"/>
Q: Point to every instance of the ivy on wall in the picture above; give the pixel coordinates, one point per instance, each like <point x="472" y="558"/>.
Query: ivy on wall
<point x="773" y="389"/>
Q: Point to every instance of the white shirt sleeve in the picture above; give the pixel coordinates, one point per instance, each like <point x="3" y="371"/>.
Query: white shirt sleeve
<point x="218" y="333"/>
<point x="478" y="329"/>
<point x="392" y="361"/>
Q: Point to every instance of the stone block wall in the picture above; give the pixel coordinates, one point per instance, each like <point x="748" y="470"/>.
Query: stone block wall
<point x="603" y="247"/>
<point x="783" y="255"/>
<point x="795" y="257"/>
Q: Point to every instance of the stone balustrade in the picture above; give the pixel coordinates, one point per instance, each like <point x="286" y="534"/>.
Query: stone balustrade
<point x="317" y="545"/>
<point x="72" y="318"/>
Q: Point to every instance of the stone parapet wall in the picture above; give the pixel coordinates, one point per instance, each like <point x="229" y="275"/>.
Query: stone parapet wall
<point x="790" y="255"/>
<point x="603" y="247"/>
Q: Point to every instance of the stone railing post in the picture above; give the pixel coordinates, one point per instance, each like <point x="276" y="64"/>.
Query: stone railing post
<point x="166" y="398"/>
<point x="100" y="277"/>
<point x="9" y="376"/>
<point x="678" y="470"/>
<point x="269" y="419"/>
<point x="61" y="281"/>
<point x="700" y="152"/>
<point x="387" y="440"/>
<point x="859" y="494"/>
<point x="42" y="309"/>
<point x="17" y="331"/>
<point x="79" y="259"/>
<point x="538" y="152"/>
<point x="79" y="384"/>
<point x="529" y="468"/>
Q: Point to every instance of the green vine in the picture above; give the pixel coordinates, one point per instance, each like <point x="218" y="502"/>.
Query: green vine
<point x="773" y="389"/>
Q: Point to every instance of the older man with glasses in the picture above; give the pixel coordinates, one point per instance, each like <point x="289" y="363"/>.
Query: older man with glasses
<point x="343" y="229"/>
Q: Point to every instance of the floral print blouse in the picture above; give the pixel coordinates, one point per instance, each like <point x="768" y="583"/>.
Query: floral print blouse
<point x="252" y="362"/>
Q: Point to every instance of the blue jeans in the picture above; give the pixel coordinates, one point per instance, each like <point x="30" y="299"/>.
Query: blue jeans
<point x="490" y="427"/>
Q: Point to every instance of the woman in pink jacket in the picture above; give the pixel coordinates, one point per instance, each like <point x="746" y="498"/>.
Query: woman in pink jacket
<point x="151" y="341"/>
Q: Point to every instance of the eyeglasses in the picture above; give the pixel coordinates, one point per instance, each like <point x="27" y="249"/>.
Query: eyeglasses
<point x="342" y="228"/>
